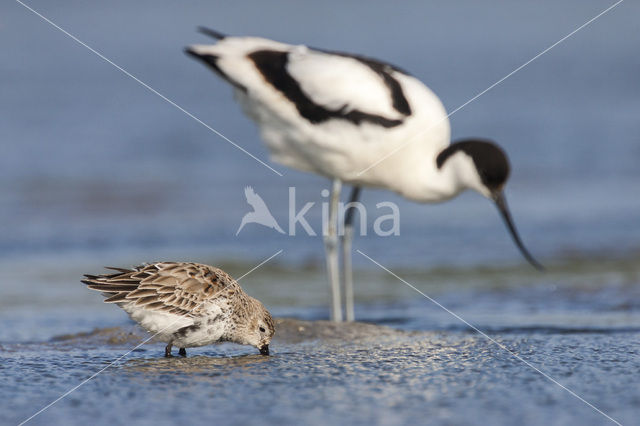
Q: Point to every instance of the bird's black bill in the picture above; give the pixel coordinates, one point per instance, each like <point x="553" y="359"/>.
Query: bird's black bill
<point x="501" y="202"/>
<point x="264" y="350"/>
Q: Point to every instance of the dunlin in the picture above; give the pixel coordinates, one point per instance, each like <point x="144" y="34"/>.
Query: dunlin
<point x="187" y="304"/>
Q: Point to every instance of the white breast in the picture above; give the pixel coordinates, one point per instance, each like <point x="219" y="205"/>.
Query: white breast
<point x="203" y="330"/>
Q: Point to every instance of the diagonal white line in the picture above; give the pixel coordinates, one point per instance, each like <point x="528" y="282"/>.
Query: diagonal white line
<point x="500" y="345"/>
<point x="260" y="264"/>
<point x="94" y="375"/>
<point x="151" y="89"/>
<point x="413" y="138"/>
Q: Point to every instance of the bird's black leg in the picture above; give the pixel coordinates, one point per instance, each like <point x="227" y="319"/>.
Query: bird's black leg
<point x="347" y="239"/>
<point x="182" y="352"/>
<point x="167" y="350"/>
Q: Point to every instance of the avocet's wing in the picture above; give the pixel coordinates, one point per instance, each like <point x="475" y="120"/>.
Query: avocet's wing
<point x="322" y="85"/>
<point x="356" y="88"/>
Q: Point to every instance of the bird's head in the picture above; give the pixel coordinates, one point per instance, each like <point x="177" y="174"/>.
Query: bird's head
<point x="483" y="166"/>
<point x="257" y="329"/>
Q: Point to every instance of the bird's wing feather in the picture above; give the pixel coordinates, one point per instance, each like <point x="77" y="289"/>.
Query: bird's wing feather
<point x="339" y="81"/>
<point x="178" y="288"/>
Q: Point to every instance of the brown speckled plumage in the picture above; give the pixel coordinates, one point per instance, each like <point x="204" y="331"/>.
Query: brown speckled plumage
<point x="202" y="300"/>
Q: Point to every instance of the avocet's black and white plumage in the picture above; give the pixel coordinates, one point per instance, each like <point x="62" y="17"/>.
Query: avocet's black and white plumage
<point x="339" y="115"/>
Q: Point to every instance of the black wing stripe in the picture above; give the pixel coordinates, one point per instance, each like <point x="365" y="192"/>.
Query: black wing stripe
<point x="383" y="69"/>
<point x="272" y="65"/>
<point x="212" y="61"/>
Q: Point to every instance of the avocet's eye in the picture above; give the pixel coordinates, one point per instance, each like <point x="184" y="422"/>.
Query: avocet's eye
<point x="262" y="330"/>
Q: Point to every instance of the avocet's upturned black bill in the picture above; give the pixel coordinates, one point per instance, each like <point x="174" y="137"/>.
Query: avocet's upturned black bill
<point x="355" y="120"/>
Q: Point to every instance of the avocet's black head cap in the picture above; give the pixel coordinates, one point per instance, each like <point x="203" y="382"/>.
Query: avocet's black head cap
<point x="490" y="160"/>
<point x="493" y="168"/>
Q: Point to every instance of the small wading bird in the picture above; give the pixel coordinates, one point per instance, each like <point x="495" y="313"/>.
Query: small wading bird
<point x="359" y="121"/>
<point x="187" y="305"/>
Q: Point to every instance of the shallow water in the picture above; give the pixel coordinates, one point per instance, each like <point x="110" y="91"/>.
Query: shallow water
<point x="412" y="362"/>
<point x="95" y="170"/>
<point x="447" y="377"/>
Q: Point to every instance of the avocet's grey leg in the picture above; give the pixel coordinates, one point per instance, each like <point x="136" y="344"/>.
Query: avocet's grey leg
<point x="182" y="352"/>
<point x="331" y="249"/>
<point x="167" y="350"/>
<point x="347" y="239"/>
